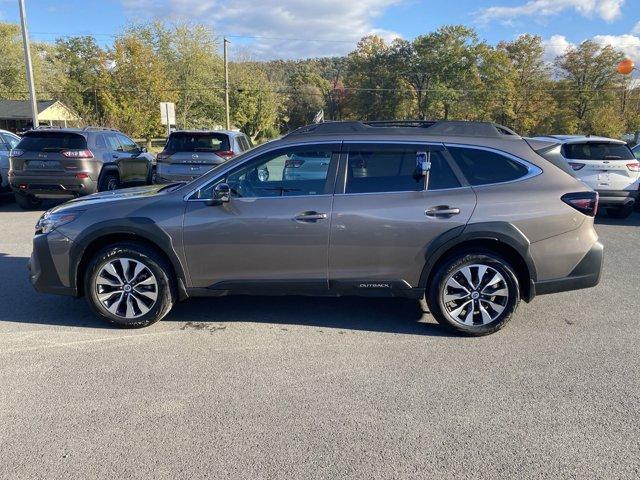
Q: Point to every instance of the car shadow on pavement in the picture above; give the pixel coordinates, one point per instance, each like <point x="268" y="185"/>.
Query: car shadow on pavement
<point x="387" y="315"/>
<point x="632" y="221"/>
<point x="20" y="303"/>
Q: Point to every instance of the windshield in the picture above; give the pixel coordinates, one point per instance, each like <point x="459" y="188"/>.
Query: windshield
<point x="597" y="151"/>
<point x="197" y="142"/>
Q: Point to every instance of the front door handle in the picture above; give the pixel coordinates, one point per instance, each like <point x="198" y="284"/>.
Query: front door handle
<point x="442" y="211"/>
<point x="310" y="217"/>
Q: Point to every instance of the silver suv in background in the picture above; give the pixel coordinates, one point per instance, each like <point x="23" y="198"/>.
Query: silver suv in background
<point x="604" y="164"/>
<point x="467" y="214"/>
<point x="8" y="141"/>
<point x="189" y="154"/>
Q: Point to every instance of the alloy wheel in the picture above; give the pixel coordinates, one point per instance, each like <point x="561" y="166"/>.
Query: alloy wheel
<point x="127" y="288"/>
<point x="475" y="295"/>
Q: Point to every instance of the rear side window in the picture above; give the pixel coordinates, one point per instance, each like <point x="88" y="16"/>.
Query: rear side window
<point x="394" y="170"/>
<point x="52" y="142"/>
<point x="636" y="151"/>
<point x="197" y="142"/>
<point x="11" y="140"/>
<point x="597" y="151"/>
<point x="483" y="167"/>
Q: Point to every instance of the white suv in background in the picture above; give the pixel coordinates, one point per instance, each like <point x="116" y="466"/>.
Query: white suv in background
<point x="604" y="164"/>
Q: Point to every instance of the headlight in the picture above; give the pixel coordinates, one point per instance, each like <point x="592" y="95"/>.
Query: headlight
<point x="52" y="220"/>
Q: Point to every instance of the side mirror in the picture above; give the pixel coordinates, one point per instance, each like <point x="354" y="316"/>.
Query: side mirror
<point x="221" y="194"/>
<point x="143" y="149"/>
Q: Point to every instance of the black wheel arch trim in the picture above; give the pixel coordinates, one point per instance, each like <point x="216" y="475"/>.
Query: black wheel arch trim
<point x="142" y="227"/>
<point x="501" y="232"/>
<point x="106" y="169"/>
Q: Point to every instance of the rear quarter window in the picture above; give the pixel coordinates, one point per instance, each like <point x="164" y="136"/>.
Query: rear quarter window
<point x="597" y="151"/>
<point x="484" y="167"/>
<point x="52" y="142"/>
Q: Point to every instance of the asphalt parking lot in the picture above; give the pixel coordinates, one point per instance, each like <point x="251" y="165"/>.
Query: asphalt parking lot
<point x="292" y="387"/>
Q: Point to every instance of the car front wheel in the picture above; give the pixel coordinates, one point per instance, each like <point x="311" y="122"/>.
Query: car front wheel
<point x="128" y="284"/>
<point x="474" y="293"/>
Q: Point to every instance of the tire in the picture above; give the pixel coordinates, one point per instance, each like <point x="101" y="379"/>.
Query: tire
<point x="27" y="201"/>
<point x="620" y="212"/>
<point x="490" y="312"/>
<point x="108" y="182"/>
<point x="129" y="309"/>
<point x="153" y="177"/>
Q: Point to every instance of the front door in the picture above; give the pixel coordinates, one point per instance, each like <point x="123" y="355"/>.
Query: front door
<point x="384" y="217"/>
<point x="273" y="233"/>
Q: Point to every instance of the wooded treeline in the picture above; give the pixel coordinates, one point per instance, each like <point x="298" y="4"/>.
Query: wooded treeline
<point x="449" y="73"/>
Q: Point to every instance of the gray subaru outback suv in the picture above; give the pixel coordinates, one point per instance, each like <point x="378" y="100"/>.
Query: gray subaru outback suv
<point x="468" y="215"/>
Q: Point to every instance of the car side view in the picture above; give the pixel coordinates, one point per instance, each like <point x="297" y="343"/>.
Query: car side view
<point x="465" y="214"/>
<point x="72" y="162"/>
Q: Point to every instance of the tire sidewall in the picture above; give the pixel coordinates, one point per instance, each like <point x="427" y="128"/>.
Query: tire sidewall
<point x="436" y="304"/>
<point x="153" y="261"/>
<point x="107" y="179"/>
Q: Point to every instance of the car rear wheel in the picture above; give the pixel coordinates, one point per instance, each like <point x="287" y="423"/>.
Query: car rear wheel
<point x="27" y="201"/>
<point x="128" y="284"/>
<point x="474" y="293"/>
<point x="620" y="212"/>
<point x="109" y="182"/>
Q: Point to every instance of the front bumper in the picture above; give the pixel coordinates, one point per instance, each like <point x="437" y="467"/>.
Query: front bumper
<point x="618" y="198"/>
<point x="585" y="275"/>
<point x="43" y="274"/>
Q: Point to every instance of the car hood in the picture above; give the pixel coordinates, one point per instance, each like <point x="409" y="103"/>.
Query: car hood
<point x="110" y="197"/>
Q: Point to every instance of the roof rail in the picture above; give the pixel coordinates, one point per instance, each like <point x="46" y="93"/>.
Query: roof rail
<point x="408" y="127"/>
<point x="99" y="129"/>
<point x="47" y="127"/>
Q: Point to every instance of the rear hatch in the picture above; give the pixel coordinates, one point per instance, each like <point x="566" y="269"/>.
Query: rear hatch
<point x="199" y="148"/>
<point x="603" y="165"/>
<point x="48" y="153"/>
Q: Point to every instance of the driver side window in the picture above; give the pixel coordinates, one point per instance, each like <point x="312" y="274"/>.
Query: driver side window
<point x="295" y="171"/>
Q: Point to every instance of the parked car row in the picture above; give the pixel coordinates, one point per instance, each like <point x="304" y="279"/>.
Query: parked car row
<point x="73" y="162"/>
<point x="468" y="214"/>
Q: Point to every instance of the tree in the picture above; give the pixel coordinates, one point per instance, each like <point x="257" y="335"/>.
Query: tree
<point x="307" y="92"/>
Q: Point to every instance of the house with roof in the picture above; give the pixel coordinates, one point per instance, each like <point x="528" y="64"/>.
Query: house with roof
<point x="15" y="115"/>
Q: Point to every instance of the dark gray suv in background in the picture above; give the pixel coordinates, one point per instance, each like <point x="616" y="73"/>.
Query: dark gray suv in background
<point x="468" y="214"/>
<point x="59" y="162"/>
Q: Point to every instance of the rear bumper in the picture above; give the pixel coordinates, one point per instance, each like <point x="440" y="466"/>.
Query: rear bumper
<point x="617" y="197"/>
<point x="42" y="270"/>
<point x="585" y="275"/>
<point x="53" y="185"/>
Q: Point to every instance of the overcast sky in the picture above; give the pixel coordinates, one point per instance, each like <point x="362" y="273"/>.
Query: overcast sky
<point x="302" y="28"/>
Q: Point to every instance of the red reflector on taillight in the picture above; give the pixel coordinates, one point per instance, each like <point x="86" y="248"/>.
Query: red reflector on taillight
<point x="576" y="166"/>
<point x="584" y="202"/>
<point x="162" y="156"/>
<point x="226" y="154"/>
<point x="634" y="167"/>
<point x="85" y="153"/>
<point x="82" y="175"/>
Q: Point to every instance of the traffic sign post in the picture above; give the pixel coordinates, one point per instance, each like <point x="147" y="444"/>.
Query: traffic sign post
<point x="168" y="115"/>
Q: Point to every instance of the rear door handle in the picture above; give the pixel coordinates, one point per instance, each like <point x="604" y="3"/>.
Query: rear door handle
<point x="310" y="217"/>
<point x="442" y="211"/>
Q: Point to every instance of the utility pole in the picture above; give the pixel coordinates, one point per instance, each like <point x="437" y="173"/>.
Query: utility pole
<point x="226" y="84"/>
<point x="27" y="61"/>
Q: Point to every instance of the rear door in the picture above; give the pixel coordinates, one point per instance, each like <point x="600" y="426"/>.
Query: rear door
<point x="603" y="165"/>
<point x="136" y="165"/>
<point x="383" y="217"/>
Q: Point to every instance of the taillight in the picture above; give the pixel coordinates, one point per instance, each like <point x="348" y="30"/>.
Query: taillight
<point x="584" y="202"/>
<point x="634" y="167"/>
<point x="576" y="165"/>
<point x="85" y="153"/>
<point x="293" y="163"/>
<point x="226" y="154"/>
<point x="162" y="156"/>
<point x="16" y="152"/>
<point x="82" y="175"/>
